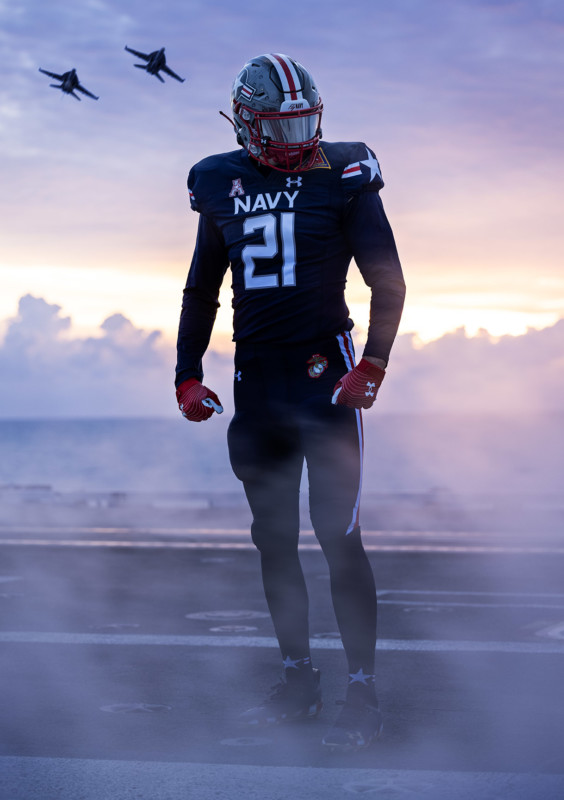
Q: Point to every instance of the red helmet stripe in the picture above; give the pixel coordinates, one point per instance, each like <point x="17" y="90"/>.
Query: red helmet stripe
<point x="287" y="74"/>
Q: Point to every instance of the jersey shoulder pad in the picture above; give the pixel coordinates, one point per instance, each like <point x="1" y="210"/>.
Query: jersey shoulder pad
<point x="206" y="176"/>
<point x="358" y="167"/>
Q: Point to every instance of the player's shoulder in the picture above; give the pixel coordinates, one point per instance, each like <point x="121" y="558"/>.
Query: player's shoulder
<point x="218" y="161"/>
<point x="208" y="175"/>
<point x="355" y="165"/>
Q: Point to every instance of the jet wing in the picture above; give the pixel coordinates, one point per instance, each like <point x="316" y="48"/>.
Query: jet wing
<point x="172" y="74"/>
<point x="137" y="53"/>
<point x="85" y="91"/>
<point x="52" y="74"/>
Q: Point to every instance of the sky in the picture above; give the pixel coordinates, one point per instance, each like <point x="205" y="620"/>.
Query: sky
<point x="461" y="101"/>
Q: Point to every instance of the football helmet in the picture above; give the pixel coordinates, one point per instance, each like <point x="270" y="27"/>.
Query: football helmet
<point x="277" y="112"/>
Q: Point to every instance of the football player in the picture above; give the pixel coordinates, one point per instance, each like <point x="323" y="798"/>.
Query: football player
<point x="286" y="213"/>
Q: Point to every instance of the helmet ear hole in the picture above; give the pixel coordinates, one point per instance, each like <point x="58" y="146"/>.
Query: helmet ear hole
<point x="240" y="140"/>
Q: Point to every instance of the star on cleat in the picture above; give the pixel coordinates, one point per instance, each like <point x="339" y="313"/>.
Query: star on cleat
<point x="359" y="677"/>
<point x="290" y="663"/>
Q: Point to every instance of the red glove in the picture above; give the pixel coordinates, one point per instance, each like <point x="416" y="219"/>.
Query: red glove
<point x="359" y="387"/>
<point x="197" y="402"/>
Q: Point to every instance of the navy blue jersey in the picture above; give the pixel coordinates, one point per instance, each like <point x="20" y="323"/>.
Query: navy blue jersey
<point x="289" y="239"/>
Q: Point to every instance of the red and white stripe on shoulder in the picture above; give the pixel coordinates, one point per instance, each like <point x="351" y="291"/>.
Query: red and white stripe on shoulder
<point x="352" y="170"/>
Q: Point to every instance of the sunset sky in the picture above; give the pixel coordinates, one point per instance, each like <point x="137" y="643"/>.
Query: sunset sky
<point x="461" y="100"/>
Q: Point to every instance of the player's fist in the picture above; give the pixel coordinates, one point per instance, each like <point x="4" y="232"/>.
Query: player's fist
<point x="359" y="387"/>
<point x="197" y="402"/>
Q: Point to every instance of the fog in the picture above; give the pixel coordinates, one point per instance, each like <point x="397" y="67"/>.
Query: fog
<point x="463" y="460"/>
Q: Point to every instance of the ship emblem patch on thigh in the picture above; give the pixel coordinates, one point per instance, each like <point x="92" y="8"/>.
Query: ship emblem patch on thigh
<point x="317" y="365"/>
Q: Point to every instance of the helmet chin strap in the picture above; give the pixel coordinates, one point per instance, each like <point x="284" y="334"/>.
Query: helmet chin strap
<point x="223" y="114"/>
<point x="239" y="140"/>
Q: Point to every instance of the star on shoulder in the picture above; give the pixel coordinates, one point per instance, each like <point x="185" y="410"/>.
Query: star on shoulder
<point x="372" y="163"/>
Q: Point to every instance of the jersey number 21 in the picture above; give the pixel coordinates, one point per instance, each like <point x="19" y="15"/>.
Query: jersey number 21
<point x="267" y="223"/>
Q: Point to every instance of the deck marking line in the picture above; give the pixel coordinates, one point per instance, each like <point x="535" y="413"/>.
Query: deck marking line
<point x="214" y="545"/>
<point x="413" y="645"/>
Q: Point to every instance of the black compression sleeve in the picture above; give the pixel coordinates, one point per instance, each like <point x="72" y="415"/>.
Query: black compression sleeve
<point x="200" y="301"/>
<point x="372" y="243"/>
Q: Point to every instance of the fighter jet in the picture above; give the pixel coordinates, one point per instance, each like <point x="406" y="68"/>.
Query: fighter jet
<point x="156" y="62"/>
<point x="69" y="82"/>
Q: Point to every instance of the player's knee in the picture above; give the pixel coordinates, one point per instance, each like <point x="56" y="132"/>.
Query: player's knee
<point x="332" y="520"/>
<point x="340" y="547"/>
<point x="273" y="539"/>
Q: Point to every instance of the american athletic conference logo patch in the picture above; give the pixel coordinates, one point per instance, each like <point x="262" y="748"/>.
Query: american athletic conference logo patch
<point x="236" y="188"/>
<point x="317" y="365"/>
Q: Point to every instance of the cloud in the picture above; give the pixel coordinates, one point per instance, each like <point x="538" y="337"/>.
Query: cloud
<point x="461" y="374"/>
<point x="469" y="414"/>
<point x="127" y="371"/>
<point x="47" y="373"/>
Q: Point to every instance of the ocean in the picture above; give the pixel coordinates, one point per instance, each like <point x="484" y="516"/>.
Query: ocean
<point x="403" y="453"/>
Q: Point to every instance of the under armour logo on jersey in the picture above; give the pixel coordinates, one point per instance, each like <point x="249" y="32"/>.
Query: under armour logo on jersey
<point x="237" y="376"/>
<point x="371" y="386"/>
<point x="290" y="181"/>
<point x="237" y="188"/>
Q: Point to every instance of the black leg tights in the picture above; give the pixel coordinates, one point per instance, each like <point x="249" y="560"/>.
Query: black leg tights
<point x="353" y="592"/>
<point x="275" y="531"/>
<point x="267" y="455"/>
<point x="332" y="443"/>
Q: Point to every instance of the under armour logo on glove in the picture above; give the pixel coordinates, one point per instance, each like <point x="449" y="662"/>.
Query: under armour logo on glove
<point x="196" y="402"/>
<point x="359" y="387"/>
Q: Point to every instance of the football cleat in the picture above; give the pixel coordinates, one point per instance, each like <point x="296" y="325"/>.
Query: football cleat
<point x="357" y="726"/>
<point x="287" y="702"/>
